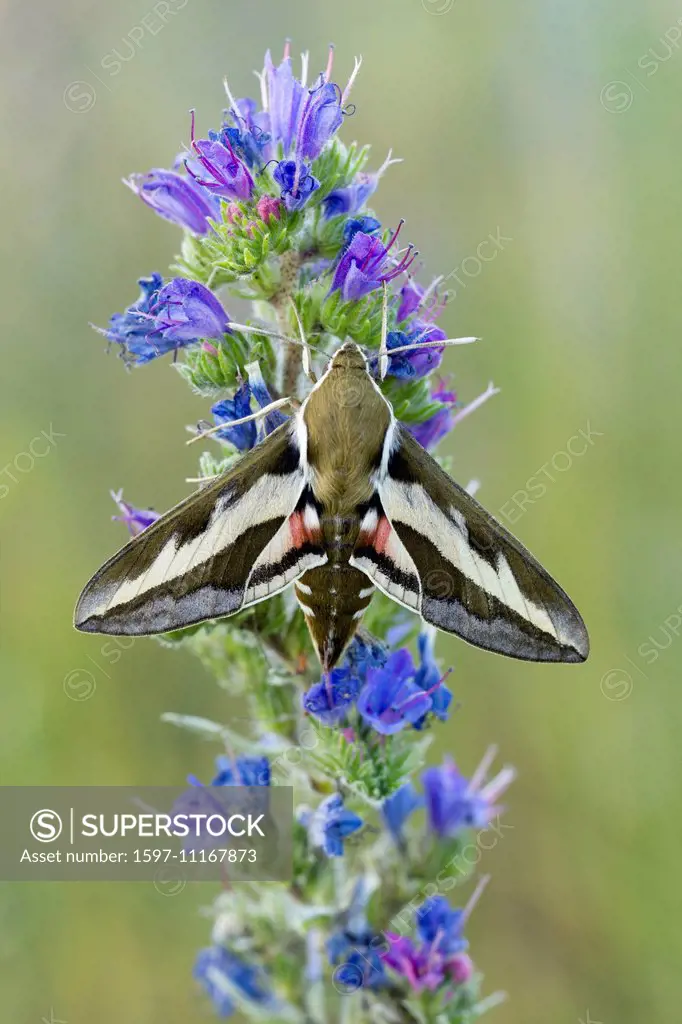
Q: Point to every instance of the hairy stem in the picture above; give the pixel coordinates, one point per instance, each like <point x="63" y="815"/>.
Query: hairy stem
<point x="290" y="263"/>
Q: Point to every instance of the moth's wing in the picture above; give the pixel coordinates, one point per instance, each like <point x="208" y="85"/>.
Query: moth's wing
<point x="427" y="544"/>
<point x="237" y="541"/>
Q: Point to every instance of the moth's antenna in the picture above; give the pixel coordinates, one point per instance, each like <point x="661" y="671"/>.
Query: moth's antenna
<point x="383" y="353"/>
<point x="430" y="344"/>
<point x="244" y="419"/>
<point x="275" y="334"/>
<point x="307" y="368"/>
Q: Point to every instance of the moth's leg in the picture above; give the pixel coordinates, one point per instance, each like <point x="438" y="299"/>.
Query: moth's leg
<point x="383" y="349"/>
<point x="244" y="419"/>
<point x="307" y="365"/>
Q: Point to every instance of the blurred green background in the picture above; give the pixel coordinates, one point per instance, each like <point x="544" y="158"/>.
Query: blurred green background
<point x="555" y="125"/>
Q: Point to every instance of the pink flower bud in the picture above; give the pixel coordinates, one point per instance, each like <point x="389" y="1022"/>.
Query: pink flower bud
<point x="461" y="968"/>
<point x="267" y="207"/>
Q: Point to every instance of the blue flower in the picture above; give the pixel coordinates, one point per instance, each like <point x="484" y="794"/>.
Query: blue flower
<point x="398" y="807"/>
<point x="430" y="678"/>
<point x="296" y="183"/>
<point x="358" y="959"/>
<point x="394" y="696"/>
<point x="330" y="700"/>
<point x="224" y="974"/>
<point x="369" y="225"/>
<point x="365" y="652"/>
<point x="130" y="329"/>
<point x="366" y="263"/>
<point x="330" y="824"/>
<point x="354" y="947"/>
<point x="390" y="699"/>
<point x="242" y="771"/>
<point x="176" y="198"/>
<point x="437" y="922"/>
<point x="242" y="437"/>
<point x="454" y="803"/>
<point x="167" y="317"/>
<point x="250" y="136"/>
<point x="259" y="390"/>
<point x="136" y="519"/>
<point x="420" y="362"/>
<point x="351" y="198"/>
<point x="219" y="168"/>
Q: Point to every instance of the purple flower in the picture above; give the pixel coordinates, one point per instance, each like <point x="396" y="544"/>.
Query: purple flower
<point x="177" y="198"/>
<point x="244" y="436"/>
<point x="330" y="824"/>
<point x="295" y="182"/>
<point x="136" y="519"/>
<point x="185" y="311"/>
<point x="286" y="98"/>
<point x="411" y="295"/>
<point x="322" y="117"/>
<point x="330" y="700"/>
<point x="440" y="956"/>
<point x="398" y="807"/>
<point x="422" y="967"/>
<point x="393" y="696"/>
<point x="167" y="317"/>
<point x="220" y="171"/>
<point x="454" y="803"/>
<point x="435" y="428"/>
<point x="221" y="972"/>
<point x="366" y="264"/>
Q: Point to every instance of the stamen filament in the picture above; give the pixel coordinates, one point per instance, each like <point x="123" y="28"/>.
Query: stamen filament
<point x="476" y="403"/>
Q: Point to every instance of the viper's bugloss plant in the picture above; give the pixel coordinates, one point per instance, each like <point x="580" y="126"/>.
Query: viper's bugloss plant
<point x="274" y="209"/>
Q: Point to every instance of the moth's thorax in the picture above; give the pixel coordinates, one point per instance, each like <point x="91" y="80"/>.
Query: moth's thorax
<point x="346" y="420"/>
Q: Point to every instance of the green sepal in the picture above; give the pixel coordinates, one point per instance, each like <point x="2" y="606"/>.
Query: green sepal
<point x="336" y="167"/>
<point x="410" y="399"/>
<point x="209" y="373"/>
<point x="238" y="245"/>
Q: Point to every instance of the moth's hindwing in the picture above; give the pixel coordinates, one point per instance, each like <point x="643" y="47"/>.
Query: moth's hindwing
<point x="240" y="540"/>
<point x="427" y="544"/>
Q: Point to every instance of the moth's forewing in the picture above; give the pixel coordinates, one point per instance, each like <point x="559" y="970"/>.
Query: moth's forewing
<point x="237" y="541"/>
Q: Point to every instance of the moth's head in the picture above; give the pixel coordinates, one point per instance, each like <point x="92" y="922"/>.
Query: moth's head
<point x="349" y="357"/>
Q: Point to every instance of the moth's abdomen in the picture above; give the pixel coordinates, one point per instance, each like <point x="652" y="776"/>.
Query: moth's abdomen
<point x="333" y="598"/>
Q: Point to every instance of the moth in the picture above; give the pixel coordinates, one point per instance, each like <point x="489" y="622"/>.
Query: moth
<point x="338" y="500"/>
